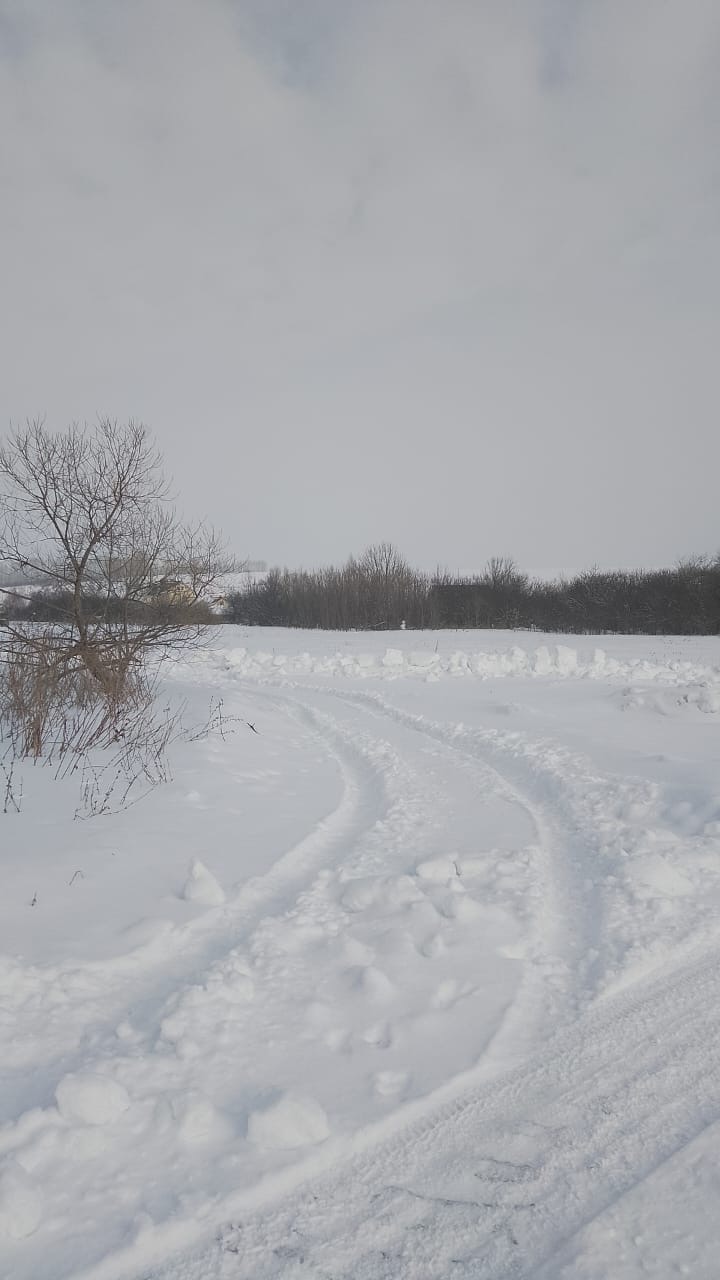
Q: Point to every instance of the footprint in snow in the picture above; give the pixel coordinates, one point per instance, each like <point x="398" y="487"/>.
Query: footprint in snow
<point x="433" y="947"/>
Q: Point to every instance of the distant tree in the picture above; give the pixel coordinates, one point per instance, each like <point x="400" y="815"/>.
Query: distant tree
<point x="379" y="589"/>
<point x="502" y="574"/>
<point x="388" y="582"/>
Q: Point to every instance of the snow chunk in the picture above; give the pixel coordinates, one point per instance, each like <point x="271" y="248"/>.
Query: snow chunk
<point x="542" y="663"/>
<point x="201" y="886"/>
<point x="438" y="869"/>
<point x="419" y="658"/>
<point x="365" y="661"/>
<point x="87" y="1098"/>
<point x="288" y="1123"/>
<point x="390" y="1083"/>
<point x="567" y="660"/>
<point x="709" y="701"/>
<point x="394" y="658"/>
<point x="199" y="1121"/>
<point x="20" y="1204"/>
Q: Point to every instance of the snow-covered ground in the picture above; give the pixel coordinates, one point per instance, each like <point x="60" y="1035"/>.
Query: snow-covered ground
<point x="412" y="972"/>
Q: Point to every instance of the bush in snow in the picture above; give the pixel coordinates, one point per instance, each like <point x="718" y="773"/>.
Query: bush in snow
<point x="86" y="513"/>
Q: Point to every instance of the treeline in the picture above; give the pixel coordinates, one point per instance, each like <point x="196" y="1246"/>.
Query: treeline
<point x="377" y="591"/>
<point x="43" y="606"/>
<point x="380" y="591"/>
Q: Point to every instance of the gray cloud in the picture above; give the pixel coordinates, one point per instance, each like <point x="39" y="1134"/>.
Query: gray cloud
<point x="441" y="272"/>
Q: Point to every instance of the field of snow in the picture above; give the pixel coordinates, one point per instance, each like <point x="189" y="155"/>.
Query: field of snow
<point x="411" y="972"/>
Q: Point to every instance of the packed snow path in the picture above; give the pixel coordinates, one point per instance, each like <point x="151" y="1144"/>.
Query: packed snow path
<point x="418" y="980"/>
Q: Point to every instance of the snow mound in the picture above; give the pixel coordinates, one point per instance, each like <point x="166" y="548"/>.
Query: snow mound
<point x="547" y="661"/>
<point x="87" y="1098"/>
<point x="288" y="1123"/>
<point x="20" y="1204"/>
<point x="201" y="886"/>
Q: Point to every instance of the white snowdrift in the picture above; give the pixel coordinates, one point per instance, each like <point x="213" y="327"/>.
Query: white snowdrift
<point x="546" y="661"/>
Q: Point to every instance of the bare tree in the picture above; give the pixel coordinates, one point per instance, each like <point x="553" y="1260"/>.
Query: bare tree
<point x="87" y="514"/>
<point x="501" y="573"/>
<point x="387" y="577"/>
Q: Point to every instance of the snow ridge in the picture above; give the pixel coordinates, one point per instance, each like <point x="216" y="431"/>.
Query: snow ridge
<point x="555" y="661"/>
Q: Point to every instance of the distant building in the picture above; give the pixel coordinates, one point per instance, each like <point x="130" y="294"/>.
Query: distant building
<point x="170" y="591"/>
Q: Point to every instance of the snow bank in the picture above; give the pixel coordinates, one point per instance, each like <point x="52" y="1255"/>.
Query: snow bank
<point x="546" y="661"/>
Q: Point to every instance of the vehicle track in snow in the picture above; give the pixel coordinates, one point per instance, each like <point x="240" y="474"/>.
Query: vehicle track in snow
<point x="548" y="995"/>
<point x="387" y="807"/>
<point x="491" y="1173"/>
<point x="71" y="1015"/>
<point x="493" y="1182"/>
<point x="592" y="826"/>
<point x="544" y="779"/>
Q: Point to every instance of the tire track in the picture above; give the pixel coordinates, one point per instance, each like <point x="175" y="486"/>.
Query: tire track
<point x="490" y="1174"/>
<point x="107" y="988"/>
<point x="537" y="776"/>
<point x="580" y="815"/>
<point x="438" y="1189"/>
<point x="441" y="1196"/>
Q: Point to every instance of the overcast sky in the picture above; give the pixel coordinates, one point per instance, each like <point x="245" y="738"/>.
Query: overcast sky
<point x="445" y="272"/>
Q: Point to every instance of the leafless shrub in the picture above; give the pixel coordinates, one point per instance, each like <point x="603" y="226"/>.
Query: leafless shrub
<point x="12" y="789"/>
<point x="141" y="760"/>
<point x="217" y="722"/>
<point x="115" y="781"/>
<point x="86" y="514"/>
